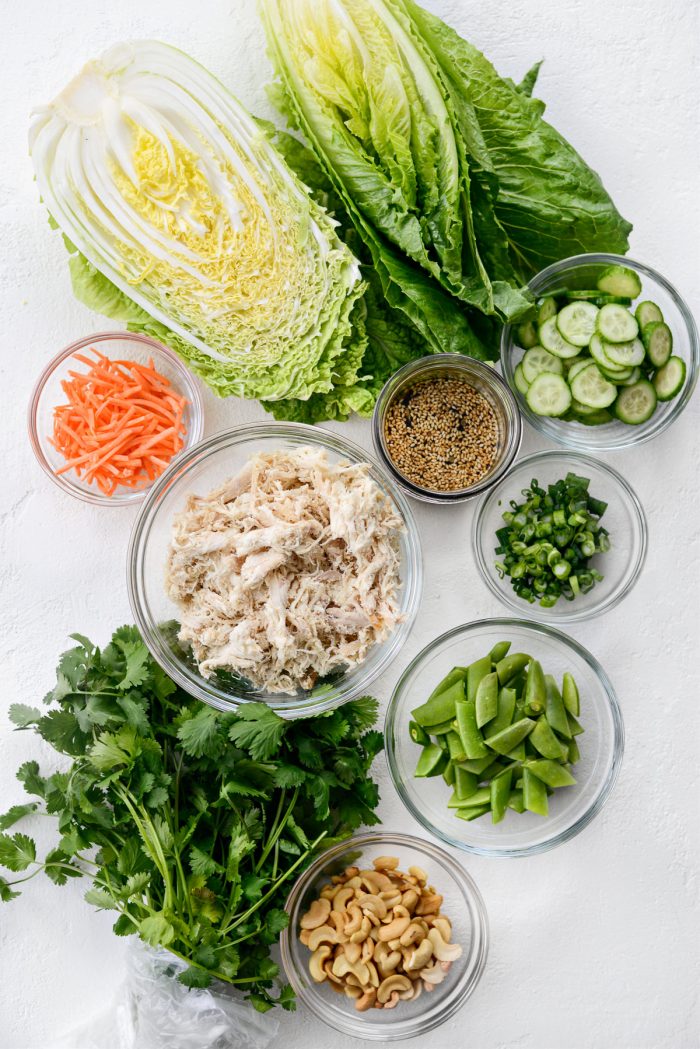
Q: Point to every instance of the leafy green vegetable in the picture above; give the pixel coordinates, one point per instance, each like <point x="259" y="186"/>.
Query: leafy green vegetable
<point x="191" y="823"/>
<point x="455" y="185"/>
<point x="185" y="222"/>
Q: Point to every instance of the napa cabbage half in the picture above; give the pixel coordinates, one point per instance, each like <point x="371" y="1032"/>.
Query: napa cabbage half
<point x="187" y="223"/>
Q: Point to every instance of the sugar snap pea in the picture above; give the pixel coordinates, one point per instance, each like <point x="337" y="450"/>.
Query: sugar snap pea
<point x="487" y="699"/>
<point x="501" y="733"/>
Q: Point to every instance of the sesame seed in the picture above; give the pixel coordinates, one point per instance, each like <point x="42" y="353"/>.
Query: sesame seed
<point x="442" y="434"/>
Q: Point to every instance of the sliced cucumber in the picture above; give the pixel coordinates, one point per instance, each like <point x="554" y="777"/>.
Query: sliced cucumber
<point x="616" y="324"/>
<point x="634" y="377"/>
<point x="648" y="313"/>
<point x="658" y="342"/>
<point x="624" y="354"/>
<point x="598" y="298"/>
<point x="597" y="351"/>
<point x="598" y="418"/>
<point x="576" y="322"/>
<point x="526" y="335"/>
<point x="537" y="360"/>
<point x="521" y="383"/>
<point x="582" y="409"/>
<point x="548" y="308"/>
<point x="635" y="404"/>
<point x="669" y="379"/>
<point x="618" y="376"/>
<point x="549" y="394"/>
<point x="553" y="340"/>
<point x="620" y="280"/>
<point x="576" y="367"/>
<point x="590" y="387"/>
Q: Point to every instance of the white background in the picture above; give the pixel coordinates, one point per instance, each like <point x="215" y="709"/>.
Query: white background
<point x="594" y="945"/>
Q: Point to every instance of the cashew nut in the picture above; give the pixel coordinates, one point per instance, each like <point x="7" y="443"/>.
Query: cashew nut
<point x="394" y="929"/>
<point x="367" y="1000"/>
<point x="373" y="974"/>
<point x="443" y="925"/>
<point x="414" y="934"/>
<point x="316" y="961"/>
<point x="342" y="966"/>
<point x="444" y="952"/>
<point x="352" y="872"/>
<point x="386" y="960"/>
<point x="363" y="932"/>
<point x="353" y="992"/>
<point x="369" y="902"/>
<point x="419" y="874"/>
<point x="356" y="917"/>
<point x="304" y="937"/>
<point x="420" y="957"/>
<point x="385" y="863"/>
<point x="342" y="898"/>
<point x="409" y="900"/>
<point x="324" y="934"/>
<point x="367" y="950"/>
<point x="392" y="983"/>
<point x="338" y="919"/>
<point x="352" y="951"/>
<point x="430" y="903"/>
<point x="393" y="1000"/>
<point x="316" y="915"/>
<point x="433" y="975"/>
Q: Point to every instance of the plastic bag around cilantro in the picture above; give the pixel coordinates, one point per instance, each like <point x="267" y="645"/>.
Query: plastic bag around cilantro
<point x="153" y="1010"/>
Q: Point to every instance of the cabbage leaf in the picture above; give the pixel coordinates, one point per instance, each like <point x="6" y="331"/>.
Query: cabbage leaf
<point x="187" y="224"/>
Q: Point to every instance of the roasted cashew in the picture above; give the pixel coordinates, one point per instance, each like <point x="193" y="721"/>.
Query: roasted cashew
<point x="385" y="863"/>
<point x="353" y="992"/>
<point x="433" y="975"/>
<point x="444" y="952"/>
<point x="316" y="915"/>
<point x="392" y="983"/>
<point x="393" y="1001"/>
<point x="363" y="932"/>
<point x="375" y="882"/>
<point x="409" y="900"/>
<point x="393" y="930"/>
<point x="419" y="874"/>
<point x="318" y="974"/>
<point x="342" y="966"/>
<point x="413" y="934"/>
<point x="367" y="950"/>
<point x="324" y="934"/>
<point x="367" y="1000"/>
<point x="420" y="956"/>
<point x="355" y="922"/>
<point x="444" y="927"/>
<point x="342" y="898"/>
<point x="352" y="951"/>
<point x="369" y="902"/>
<point x="429" y="903"/>
<point x="338" y="919"/>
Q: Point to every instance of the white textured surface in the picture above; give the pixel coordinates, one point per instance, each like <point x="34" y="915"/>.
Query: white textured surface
<point x="595" y="945"/>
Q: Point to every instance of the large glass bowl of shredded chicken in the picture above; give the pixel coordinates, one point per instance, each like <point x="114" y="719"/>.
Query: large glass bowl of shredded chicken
<point x="276" y="563"/>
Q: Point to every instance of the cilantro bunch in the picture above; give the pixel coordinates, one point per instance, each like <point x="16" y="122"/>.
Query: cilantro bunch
<point x="191" y="823"/>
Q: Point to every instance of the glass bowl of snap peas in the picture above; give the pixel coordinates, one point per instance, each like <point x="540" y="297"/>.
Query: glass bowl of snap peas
<point x="608" y="357"/>
<point x="518" y="779"/>
<point x="551" y="507"/>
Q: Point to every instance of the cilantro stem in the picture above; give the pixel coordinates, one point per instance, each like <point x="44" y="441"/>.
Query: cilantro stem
<point x="277" y="826"/>
<point x="196" y="965"/>
<point x="270" y="892"/>
<point x="152" y="843"/>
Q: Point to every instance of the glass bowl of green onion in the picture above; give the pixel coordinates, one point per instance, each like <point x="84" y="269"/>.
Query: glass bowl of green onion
<point x="562" y="538"/>
<point x="607" y="358"/>
<point x="504" y="738"/>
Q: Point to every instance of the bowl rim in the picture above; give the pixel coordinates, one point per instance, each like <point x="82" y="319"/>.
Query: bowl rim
<point x="464" y="363"/>
<point x="598" y="800"/>
<point x="475" y="961"/>
<point x="186" y="380"/>
<point x="293" y="707"/>
<point x="548" y="615"/>
<point x="621" y="436"/>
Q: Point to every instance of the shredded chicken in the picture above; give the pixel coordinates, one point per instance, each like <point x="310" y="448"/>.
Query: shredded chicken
<point x="288" y="572"/>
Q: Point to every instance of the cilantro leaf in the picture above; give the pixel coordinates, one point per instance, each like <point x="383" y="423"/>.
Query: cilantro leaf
<point x="123" y="926"/>
<point x="15" y="813"/>
<point x="198" y="734"/>
<point x="34" y="783"/>
<point x="194" y="977"/>
<point x="17" y="852"/>
<point x="201" y="863"/>
<point x="258" y="729"/>
<point x="7" y="893"/>
<point x="156" y="930"/>
<point x="101" y="899"/>
<point x="22" y="716"/>
<point x="137" y="657"/>
<point x="61" y="729"/>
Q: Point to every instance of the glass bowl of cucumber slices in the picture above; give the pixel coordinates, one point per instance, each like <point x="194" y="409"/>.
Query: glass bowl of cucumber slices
<point x="608" y="357"/>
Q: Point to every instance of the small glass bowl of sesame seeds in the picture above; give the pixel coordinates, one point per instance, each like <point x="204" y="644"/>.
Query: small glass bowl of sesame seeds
<point x="446" y="427"/>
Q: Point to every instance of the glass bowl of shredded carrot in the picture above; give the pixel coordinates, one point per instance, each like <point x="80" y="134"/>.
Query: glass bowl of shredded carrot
<point x="110" y="413"/>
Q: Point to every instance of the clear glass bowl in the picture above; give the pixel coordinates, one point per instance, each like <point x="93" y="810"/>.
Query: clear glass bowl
<point x="570" y="808"/>
<point x="582" y="271"/>
<point x="48" y="393"/>
<point x="624" y="518"/>
<point x="486" y="380"/>
<point x="462" y="904"/>
<point x="202" y="469"/>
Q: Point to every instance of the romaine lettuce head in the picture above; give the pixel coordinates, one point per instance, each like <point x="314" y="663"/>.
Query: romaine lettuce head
<point x="188" y="220"/>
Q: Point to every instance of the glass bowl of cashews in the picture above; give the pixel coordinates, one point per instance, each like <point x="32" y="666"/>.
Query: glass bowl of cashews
<point x="387" y="937"/>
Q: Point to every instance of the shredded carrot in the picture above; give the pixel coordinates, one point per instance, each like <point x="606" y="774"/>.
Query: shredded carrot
<point x="122" y="424"/>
